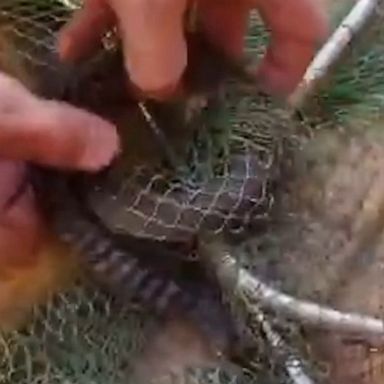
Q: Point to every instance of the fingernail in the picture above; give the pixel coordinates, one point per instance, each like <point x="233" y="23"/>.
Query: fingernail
<point x="167" y="93"/>
<point x="161" y="93"/>
<point x="164" y="94"/>
<point x="159" y="84"/>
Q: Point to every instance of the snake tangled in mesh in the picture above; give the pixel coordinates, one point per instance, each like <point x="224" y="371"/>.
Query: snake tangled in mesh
<point x="137" y="225"/>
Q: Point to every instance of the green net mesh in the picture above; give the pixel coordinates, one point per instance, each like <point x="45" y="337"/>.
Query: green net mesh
<point x="222" y="183"/>
<point x="60" y="345"/>
<point x="83" y="336"/>
<point x="328" y="248"/>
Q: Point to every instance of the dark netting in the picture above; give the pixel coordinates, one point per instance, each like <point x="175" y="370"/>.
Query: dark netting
<point x="222" y="183"/>
<point x="58" y="346"/>
<point x="228" y="164"/>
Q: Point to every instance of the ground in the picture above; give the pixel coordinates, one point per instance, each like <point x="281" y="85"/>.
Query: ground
<point x="326" y="242"/>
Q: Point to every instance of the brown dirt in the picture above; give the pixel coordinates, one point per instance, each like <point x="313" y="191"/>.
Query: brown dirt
<point x="333" y="227"/>
<point x="337" y="219"/>
<point x="328" y="246"/>
<point x="171" y="352"/>
<point x="352" y="271"/>
<point x="329" y="243"/>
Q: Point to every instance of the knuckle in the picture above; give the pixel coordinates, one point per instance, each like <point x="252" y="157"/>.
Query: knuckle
<point x="151" y="85"/>
<point x="157" y="73"/>
<point x="318" y="29"/>
<point x="13" y="94"/>
<point x="159" y="82"/>
<point x="8" y="83"/>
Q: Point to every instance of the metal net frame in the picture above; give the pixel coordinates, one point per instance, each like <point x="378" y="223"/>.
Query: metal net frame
<point x="223" y="184"/>
<point x="226" y="188"/>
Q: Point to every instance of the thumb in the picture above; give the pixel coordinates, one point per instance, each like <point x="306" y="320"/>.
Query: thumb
<point x="55" y="134"/>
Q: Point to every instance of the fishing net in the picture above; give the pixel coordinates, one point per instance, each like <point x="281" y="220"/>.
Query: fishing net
<point x="329" y="248"/>
<point x="225" y="184"/>
<point x="59" y="345"/>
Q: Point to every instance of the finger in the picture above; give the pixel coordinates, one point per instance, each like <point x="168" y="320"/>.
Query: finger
<point x="82" y="35"/>
<point x="11" y="179"/>
<point x="153" y="42"/>
<point x="225" y="23"/>
<point x="58" y="135"/>
<point x="297" y="28"/>
<point x="18" y="220"/>
<point x="284" y="66"/>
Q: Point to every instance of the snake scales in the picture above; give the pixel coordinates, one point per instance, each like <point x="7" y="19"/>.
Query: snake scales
<point x="119" y="218"/>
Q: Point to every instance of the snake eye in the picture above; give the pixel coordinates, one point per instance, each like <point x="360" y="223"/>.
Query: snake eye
<point x="235" y="225"/>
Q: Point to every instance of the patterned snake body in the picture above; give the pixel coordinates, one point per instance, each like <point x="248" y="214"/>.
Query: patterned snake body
<point x="137" y="228"/>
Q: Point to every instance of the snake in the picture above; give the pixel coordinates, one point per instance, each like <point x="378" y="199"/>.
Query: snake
<point x="137" y="227"/>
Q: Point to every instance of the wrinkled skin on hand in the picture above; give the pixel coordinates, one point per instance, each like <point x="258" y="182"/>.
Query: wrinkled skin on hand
<point x="157" y="59"/>
<point x="44" y="132"/>
<point x="56" y="134"/>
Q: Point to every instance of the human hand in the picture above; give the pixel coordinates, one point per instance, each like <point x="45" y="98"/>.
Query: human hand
<point x="155" y="50"/>
<point x="44" y="132"/>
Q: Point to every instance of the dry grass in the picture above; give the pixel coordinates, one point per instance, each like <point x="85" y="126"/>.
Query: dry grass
<point x="327" y="243"/>
<point x="329" y="220"/>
